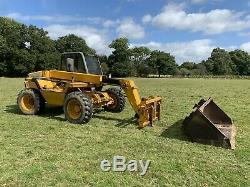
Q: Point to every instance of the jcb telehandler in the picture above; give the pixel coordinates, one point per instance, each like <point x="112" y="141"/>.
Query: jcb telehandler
<point x="77" y="86"/>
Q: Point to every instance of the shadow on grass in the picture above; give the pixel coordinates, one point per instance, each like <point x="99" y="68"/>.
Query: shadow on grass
<point x="49" y="112"/>
<point x="13" y="109"/>
<point x="121" y="122"/>
<point x="175" y="131"/>
<point x="55" y="112"/>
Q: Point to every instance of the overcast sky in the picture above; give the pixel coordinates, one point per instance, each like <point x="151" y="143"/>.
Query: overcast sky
<point x="187" y="29"/>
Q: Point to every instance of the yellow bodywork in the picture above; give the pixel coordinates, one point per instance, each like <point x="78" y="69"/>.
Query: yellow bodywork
<point x="68" y="76"/>
<point x="54" y="85"/>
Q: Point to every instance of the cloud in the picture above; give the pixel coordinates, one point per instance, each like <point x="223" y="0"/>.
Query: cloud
<point x="195" y="50"/>
<point x="198" y="1"/>
<point x="245" y="47"/>
<point x="46" y="18"/>
<point x="128" y="28"/>
<point x="60" y="19"/>
<point x="94" y="38"/>
<point x="86" y="28"/>
<point x="147" y="18"/>
<point x="125" y="27"/>
<point x="215" y="21"/>
<point x="94" y="20"/>
<point x="109" y="23"/>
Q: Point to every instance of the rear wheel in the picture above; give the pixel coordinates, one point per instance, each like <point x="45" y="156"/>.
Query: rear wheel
<point x="119" y="101"/>
<point x="30" y="102"/>
<point x="78" y="108"/>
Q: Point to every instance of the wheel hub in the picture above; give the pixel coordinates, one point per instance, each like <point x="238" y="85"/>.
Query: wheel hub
<point x="27" y="102"/>
<point x="74" y="109"/>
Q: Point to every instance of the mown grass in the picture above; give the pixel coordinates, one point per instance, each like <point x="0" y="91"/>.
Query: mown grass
<point x="47" y="150"/>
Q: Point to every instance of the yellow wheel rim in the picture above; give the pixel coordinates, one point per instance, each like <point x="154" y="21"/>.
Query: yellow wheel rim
<point x="27" y="103"/>
<point x="74" y="109"/>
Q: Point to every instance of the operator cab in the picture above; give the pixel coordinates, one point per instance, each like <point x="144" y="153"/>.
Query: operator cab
<point x="80" y="63"/>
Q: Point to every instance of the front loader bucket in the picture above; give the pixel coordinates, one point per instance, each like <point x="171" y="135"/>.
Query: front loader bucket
<point x="210" y="125"/>
<point x="149" y="111"/>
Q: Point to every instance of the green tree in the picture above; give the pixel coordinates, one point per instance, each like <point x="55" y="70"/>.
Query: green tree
<point x="241" y="59"/>
<point x="163" y="63"/>
<point x="12" y="39"/>
<point x="119" y="62"/>
<point x="105" y="68"/>
<point x="103" y="59"/>
<point x="124" y="69"/>
<point x="13" y="32"/>
<point x="3" y="52"/>
<point x="143" y="69"/>
<point x="199" y="69"/>
<point x="104" y="64"/>
<point x="22" y="63"/>
<point x="25" y="49"/>
<point x="220" y="63"/>
<point x="188" y="65"/>
<point x="47" y="56"/>
<point x="139" y="56"/>
<point x="209" y="64"/>
<point x="73" y="43"/>
<point x="121" y="51"/>
<point x="185" y="72"/>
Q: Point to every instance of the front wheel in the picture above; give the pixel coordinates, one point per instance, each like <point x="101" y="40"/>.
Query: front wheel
<point x="78" y="108"/>
<point x="118" y="101"/>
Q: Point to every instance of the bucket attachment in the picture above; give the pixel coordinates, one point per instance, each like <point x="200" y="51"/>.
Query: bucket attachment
<point x="210" y="125"/>
<point x="149" y="111"/>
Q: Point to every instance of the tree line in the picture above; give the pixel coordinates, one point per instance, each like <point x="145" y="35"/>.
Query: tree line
<point x="25" y="49"/>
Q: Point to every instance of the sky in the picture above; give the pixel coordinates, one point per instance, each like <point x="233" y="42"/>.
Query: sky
<point x="187" y="29"/>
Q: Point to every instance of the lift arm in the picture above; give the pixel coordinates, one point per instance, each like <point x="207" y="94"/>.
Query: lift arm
<point x="147" y="109"/>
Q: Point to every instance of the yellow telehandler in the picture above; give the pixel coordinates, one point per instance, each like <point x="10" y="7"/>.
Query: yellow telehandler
<point x="77" y="86"/>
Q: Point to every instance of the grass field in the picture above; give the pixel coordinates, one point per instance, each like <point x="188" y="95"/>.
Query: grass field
<point x="47" y="150"/>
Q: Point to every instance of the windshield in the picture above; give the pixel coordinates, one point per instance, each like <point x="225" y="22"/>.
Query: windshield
<point x="72" y="62"/>
<point x="93" y="65"/>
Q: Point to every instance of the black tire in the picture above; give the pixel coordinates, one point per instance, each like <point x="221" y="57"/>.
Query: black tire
<point x="136" y="116"/>
<point x="119" y="101"/>
<point x="85" y="108"/>
<point x="30" y="102"/>
<point x="99" y="88"/>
